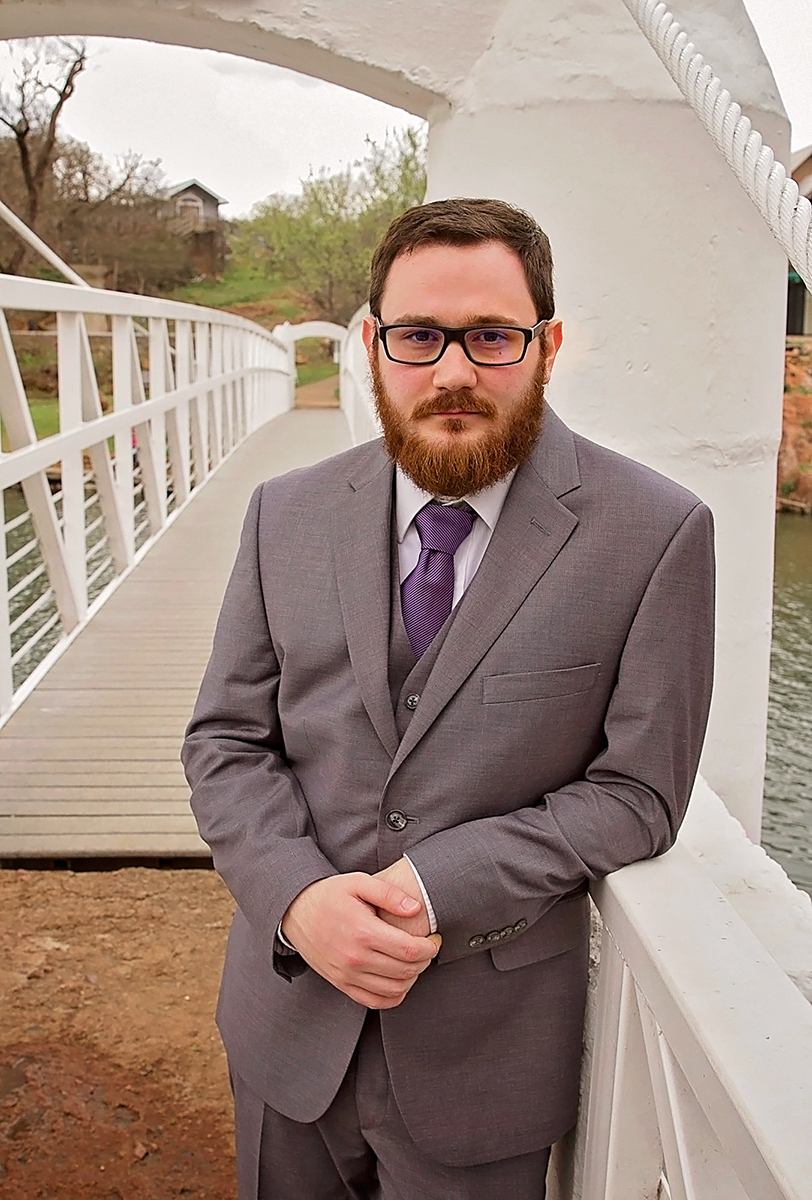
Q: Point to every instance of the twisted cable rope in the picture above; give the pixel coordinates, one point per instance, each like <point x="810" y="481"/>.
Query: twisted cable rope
<point x="774" y="193"/>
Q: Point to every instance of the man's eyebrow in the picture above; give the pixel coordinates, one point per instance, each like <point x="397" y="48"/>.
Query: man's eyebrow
<point x="471" y="321"/>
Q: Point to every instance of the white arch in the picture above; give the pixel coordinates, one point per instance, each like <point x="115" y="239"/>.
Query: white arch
<point x="310" y="329"/>
<point x="671" y="289"/>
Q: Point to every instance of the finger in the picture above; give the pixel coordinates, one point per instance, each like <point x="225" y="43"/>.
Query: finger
<point x="388" y="896"/>
<point x="384" y="966"/>
<point x="371" y="1000"/>
<point x="389" y="939"/>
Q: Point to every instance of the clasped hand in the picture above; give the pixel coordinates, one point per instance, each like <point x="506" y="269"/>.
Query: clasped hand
<point x="367" y="935"/>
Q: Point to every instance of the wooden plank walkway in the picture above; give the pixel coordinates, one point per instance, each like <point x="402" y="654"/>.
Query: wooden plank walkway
<point x="89" y="762"/>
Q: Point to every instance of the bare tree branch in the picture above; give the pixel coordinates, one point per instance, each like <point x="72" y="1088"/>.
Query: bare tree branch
<point x="44" y="80"/>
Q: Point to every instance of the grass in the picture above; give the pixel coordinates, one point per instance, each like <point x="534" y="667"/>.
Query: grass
<point x="45" y="415"/>
<point x="312" y="372"/>
<point x="243" y="283"/>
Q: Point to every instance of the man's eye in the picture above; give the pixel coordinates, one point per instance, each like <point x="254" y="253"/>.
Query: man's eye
<point x="489" y="337"/>
<point x="422" y="337"/>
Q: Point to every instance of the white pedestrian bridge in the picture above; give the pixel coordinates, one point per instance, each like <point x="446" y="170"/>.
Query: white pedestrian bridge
<point x="119" y="530"/>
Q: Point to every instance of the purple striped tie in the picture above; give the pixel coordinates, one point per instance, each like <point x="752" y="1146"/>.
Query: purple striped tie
<point x="426" y="594"/>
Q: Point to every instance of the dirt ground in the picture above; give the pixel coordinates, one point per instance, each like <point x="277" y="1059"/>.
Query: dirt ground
<point x="113" y="1083"/>
<point x="795" y="455"/>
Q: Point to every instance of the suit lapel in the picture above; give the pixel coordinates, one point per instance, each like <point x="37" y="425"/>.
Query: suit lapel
<point x="362" y="543"/>
<point x="531" y="530"/>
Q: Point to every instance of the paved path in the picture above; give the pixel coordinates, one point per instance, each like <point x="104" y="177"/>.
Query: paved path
<point x="321" y="394"/>
<point x="89" y="762"/>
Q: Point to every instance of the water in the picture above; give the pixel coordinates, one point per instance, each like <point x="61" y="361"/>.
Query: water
<point x="787" y="827"/>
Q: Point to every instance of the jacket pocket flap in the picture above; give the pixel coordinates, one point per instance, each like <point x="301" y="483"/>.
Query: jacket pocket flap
<point x="566" y="925"/>
<point x="537" y="685"/>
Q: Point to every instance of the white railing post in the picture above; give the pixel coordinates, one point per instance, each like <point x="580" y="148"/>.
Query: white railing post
<point x="21" y="434"/>
<point x="69" y="352"/>
<point x="216" y="393"/>
<point x="6" y="676"/>
<point x="178" y="447"/>
<point x="157" y="426"/>
<point x="123" y="336"/>
<point x="183" y="377"/>
<point x="199" y="412"/>
<point x="622" y="1154"/>
<point x="99" y="454"/>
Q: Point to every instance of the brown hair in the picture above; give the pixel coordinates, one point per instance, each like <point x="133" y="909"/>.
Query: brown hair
<point x="466" y="222"/>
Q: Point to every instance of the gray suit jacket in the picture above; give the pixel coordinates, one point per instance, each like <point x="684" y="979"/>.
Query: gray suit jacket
<point x="556" y="739"/>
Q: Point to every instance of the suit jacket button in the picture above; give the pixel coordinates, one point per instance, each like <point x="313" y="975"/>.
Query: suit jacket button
<point x="412" y="700"/>
<point x="507" y="932"/>
<point x="476" y="940"/>
<point x="495" y="935"/>
<point x="520" y="925"/>
<point x="396" y="820"/>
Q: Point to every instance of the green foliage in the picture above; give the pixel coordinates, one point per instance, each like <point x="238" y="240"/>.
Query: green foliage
<point x="322" y="240"/>
<point x="312" y="372"/>
<point x="44" y="414"/>
<point x="242" y="283"/>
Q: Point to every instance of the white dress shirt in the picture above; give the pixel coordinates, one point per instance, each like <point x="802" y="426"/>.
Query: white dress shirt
<point x="409" y="499"/>
<point x="487" y="505"/>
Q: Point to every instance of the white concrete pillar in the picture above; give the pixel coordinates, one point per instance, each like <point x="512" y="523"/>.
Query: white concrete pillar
<point x="672" y="294"/>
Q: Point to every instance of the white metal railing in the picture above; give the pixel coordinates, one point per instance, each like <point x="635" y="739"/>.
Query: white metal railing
<point x="325" y="330"/>
<point x="80" y="507"/>
<point x="699" y="1080"/>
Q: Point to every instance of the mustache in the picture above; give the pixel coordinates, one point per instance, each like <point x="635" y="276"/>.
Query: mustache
<point x="464" y="398"/>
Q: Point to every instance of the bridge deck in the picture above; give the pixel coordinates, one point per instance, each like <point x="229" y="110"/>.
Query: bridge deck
<point x="89" y="762"/>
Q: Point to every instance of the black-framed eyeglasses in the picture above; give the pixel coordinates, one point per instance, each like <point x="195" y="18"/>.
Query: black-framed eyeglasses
<point x="485" y="346"/>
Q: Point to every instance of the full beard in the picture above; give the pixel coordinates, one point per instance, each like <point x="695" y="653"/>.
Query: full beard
<point x="460" y="464"/>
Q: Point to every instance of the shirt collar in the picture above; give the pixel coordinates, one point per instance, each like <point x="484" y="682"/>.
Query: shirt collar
<point x="409" y="499"/>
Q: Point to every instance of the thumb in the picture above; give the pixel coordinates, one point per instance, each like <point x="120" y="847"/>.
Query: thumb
<point x="388" y="896"/>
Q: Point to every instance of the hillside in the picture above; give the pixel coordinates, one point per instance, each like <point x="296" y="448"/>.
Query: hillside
<point x="795" y="455"/>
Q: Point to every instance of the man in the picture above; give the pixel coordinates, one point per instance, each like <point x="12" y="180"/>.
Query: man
<point x="457" y="675"/>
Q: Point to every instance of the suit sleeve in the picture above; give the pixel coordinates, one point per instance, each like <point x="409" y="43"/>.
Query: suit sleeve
<point x="629" y="805"/>
<point x="247" y="802"/>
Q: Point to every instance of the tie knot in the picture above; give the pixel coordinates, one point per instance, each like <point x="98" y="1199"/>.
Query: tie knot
<point x="443" y="527"/>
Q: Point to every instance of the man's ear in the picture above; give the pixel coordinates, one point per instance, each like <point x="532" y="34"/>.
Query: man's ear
<point x="553" y="337"/>
<point x="368" y="328"/>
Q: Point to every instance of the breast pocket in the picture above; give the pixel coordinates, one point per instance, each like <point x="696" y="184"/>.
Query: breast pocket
<point x="539" y="685"/>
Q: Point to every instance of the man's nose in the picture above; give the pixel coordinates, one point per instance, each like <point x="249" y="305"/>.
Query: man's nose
<point x="454" y="369"/>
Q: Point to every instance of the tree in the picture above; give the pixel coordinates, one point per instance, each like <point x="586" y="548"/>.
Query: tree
<point x="45" y="74"/>
<point x="323" y="239"/>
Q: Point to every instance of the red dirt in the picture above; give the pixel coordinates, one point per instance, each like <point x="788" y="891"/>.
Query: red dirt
<point x="113" y="1084"/>
<point x="795" y="455"/>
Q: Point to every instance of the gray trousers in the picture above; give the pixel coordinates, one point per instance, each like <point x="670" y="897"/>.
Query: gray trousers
<point x="360" y="1149"/>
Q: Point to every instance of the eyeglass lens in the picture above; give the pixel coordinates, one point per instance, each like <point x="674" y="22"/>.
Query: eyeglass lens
<point x="416" y="344"/>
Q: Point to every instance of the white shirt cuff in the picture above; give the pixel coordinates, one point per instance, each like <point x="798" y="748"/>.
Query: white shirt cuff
<point x="283" y="939"/>
<point x="425" y="895"/>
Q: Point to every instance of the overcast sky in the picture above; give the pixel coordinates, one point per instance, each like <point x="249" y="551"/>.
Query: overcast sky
<point x="246" y="129"/>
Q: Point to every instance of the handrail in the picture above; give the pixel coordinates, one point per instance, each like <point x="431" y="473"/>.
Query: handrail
<point x="36" y="243"/>
<point x="701" y="1073"/>
<point x="41" y="295"/>
<point x="184" y="397"/>
<point x="775" y="194"/>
